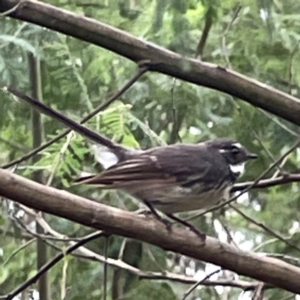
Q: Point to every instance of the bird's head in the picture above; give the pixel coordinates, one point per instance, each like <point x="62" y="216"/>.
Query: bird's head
<point x="235" y="154"/>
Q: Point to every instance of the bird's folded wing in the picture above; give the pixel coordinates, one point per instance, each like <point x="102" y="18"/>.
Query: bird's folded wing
<point x="135" y="169"/>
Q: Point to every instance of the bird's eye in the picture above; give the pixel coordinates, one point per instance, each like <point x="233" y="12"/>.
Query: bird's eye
<point x="235" y="150"/>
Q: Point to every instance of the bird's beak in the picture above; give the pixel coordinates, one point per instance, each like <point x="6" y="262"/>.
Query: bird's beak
<point x="252" y="155"/>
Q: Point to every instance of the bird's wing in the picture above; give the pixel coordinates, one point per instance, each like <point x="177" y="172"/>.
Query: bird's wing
<point x="143" y="167"/>
<point x="173" y="164"/>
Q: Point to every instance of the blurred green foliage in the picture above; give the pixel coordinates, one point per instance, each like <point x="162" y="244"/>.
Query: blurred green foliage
<point x="262" y="43"/>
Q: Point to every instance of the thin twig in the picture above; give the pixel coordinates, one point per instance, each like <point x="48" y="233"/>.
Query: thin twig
<point x="258" y="293"/>
<point x="265" y="228"/>
<point x="22" y="226"/>
<point x="85" y="253"/>
<point x="152" y="257"/>
<point x="235" y="15"/>
<point x="276" y="121"/>
<point x="265" y="183"/>
<point x="122" y="249"/>
<point x="280" y="169"/>
<point x="229" y="236"/>
<point x="265" y="243"/>
<point x="18" y="250"/>
<point x="105" y="267"/>
<point x="52" y="263"/>
<point x="193" y="287"/>
<point x="59" y="158"/>
<point x="13" y="9"/>
<point x="64" y="279"/>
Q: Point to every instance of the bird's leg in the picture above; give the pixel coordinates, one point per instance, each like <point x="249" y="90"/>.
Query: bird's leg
<point x="166" y="222"/>
<point x="187" y="224"/>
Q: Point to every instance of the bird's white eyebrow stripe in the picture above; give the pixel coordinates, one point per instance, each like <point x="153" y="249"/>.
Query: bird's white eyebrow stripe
<point x="238" y="145"/>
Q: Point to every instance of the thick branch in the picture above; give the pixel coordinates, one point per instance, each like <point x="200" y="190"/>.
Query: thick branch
<point x="162" y="60"/>
<point x="146" y="229"/>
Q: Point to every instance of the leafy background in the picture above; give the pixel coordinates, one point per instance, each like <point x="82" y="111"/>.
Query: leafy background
<point x="259" y="39"/>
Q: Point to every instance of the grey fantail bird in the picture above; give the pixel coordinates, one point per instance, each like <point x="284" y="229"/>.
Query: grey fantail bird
<point x="172" y="179"/>
<point x="177" y="178"/>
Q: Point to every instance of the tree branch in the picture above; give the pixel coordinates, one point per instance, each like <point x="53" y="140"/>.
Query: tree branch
<point x="162" y="60"/>
<point x="265" y="183"/>
<point x="86" y="253"/>
<point x="147" y="229"/>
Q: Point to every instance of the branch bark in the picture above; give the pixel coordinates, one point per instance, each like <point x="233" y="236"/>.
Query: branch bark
<point x="162" y="60"/>
<point x="129" y="224"/>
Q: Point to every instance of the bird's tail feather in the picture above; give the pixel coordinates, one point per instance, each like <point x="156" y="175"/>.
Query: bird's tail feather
<point x="92" y="179"/>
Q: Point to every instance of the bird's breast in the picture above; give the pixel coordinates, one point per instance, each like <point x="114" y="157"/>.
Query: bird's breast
<point x="179" y="199"/>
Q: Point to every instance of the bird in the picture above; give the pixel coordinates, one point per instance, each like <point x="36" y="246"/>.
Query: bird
<point x="173" y="178"/>
<point x="176" y="178"/>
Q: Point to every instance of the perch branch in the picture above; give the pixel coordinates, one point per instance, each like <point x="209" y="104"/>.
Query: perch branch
<point x="129" y="224"/>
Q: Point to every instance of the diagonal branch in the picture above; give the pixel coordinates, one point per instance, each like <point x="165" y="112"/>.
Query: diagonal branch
<point x="44" y="269"/>
<point x="265" y="183"/>
<point x="128" y="224"/>
<point x="162" y="60"/>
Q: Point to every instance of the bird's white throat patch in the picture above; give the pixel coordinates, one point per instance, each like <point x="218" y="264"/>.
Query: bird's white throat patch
<point x="237" y="169"/>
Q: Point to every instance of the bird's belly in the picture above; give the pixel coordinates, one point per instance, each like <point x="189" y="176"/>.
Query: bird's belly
<point x="178" y="199"/>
